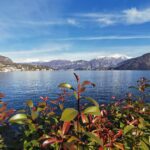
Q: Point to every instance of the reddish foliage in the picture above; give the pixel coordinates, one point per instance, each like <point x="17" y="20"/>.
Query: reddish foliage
<point x="44" y="98"/>
<point x="2" y="95"/>
<point x="66" y="127"/>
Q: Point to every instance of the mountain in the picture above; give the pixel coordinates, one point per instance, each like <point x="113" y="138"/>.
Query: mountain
<point x="6" y="65"/>
<point x="5" y="60"/>
<point x="106" y="62"/>
<point x="101" y="63"/>
<point x="138" y="63"/>
<point x="56" y="64"/>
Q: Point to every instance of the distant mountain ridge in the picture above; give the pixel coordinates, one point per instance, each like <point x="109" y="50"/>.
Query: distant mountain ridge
<point x="138" y="63"/>
<point x="101" y="63"/>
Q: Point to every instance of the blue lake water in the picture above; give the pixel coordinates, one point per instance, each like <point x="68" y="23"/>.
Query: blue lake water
<point x="22" y="86"/>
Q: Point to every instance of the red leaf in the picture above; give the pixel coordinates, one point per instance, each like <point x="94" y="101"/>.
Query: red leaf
<point x="81" y="90"/>
<point x="117" y="103"/>
<point x="134" y="122"/>
<point x="90" y="118"/>
<point x="109" y="145"/>
<point x="96" y="119"/>
<point x="3" y="108"/>
<point x="100" y="148"/>
<point x="54" y="102"/>
<point x="113" y="97"/>
<point x="11" y="111"/>
<point x="66" y="127"/>
<point x="77" y="77"/>
<point x="2" y="95"/>
<point x="44" y="98"/>
<point x="34" y="108"/>
<point x="120" y="132"/>
<point x="84" y="118"/>
<point x="103" y="113"/>
<point x="128" y="107"/>
<point x="88" y="83"/>
<point x="50" y="141"/>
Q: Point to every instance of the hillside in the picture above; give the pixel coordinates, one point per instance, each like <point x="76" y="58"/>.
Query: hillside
<point x="6" y="65"/>
<point x="138" y="63"/>
<point x="5" y="60"/>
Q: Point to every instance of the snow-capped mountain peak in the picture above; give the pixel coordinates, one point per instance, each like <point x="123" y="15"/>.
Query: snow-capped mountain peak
<point x="101" y="62"/>
<point x="115" y="56"/>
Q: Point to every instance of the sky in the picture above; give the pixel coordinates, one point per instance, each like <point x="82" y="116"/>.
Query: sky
<point x="43" y="30"/>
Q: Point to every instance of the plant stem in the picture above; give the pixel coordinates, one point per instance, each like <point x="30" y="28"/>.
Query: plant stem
<point x="79" y="113"/>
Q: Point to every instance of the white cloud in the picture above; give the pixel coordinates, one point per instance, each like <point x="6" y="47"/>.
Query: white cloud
<point x="103" y="19"/>
<point x="113" y="37"/>
<point x="135" y="16"/>
<point x="65" y="21"/>
<point x="106" y="21"/>
<point x="41" y="23"/>
<point x="42" y="51"/>
<point x="72" y="22"/>
<point x="128" y="16"/>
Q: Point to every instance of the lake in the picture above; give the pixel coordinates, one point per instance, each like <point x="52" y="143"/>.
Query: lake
<point x="22" y="86"/>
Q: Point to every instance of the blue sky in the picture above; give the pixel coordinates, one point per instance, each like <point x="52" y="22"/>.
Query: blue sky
<point x="41" y="30"/>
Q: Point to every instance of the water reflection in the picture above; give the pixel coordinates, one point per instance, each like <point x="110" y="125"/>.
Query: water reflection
<point x="21" y="86"/>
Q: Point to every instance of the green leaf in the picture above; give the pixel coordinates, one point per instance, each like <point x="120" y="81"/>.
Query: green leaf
<point x="92" y="101"/>
<point x="34" y="114"/>
<point x="144" y="146"/>
<point x="128" y="128"/>
<point x="94" y="138"/>
<point x="93" y="110"/>
<point x="35" y="143"/>
<point x="18" y="118"/>
<point x="122" y="124"/>
<point x="65" y="85"/>
<point x="119" y="145"/>
<point x="146" y="140"/>
<point x="42" y="104"/>
<point x="73" y="138"/>
<point x="69" y="114"/>
<point x="29" y="103"/>
<point x="143" y="123"/>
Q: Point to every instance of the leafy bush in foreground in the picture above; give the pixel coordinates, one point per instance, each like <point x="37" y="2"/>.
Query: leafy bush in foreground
<point x="123" y="124"/>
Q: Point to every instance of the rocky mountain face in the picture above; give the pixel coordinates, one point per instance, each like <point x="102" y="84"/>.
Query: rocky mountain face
<point x="102" y="63"/>
<point x="106" y="62"/>
<point x="138" y="63"/>
<point x="6" y="65"/>
<point x="5" y="60"/>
